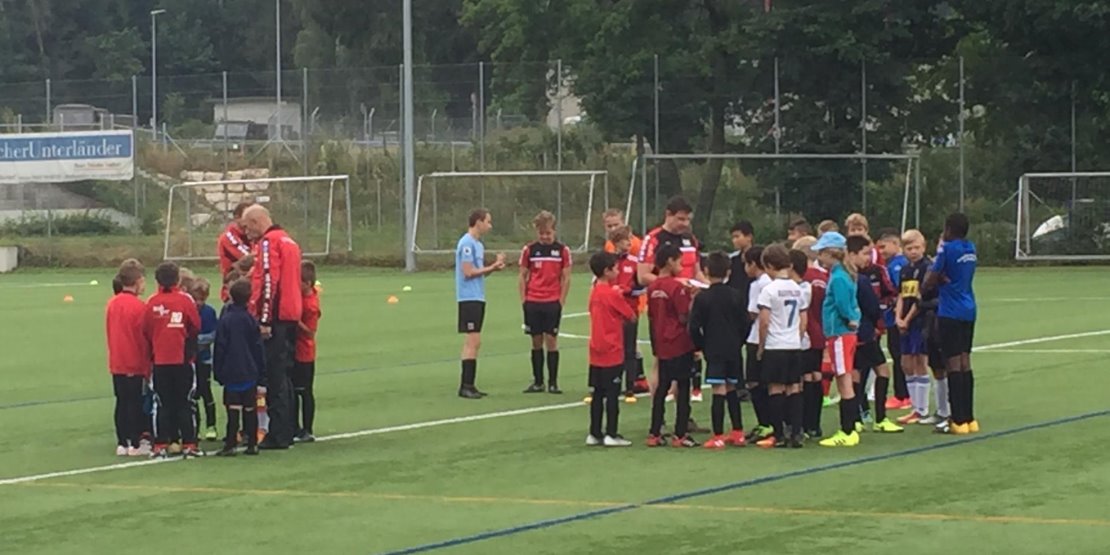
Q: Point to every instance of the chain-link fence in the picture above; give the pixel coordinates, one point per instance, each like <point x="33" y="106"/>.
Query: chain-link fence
<point x="973" y="132"/>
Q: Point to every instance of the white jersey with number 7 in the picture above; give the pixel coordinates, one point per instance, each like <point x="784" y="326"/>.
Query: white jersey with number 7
<point x="786" y="302"/>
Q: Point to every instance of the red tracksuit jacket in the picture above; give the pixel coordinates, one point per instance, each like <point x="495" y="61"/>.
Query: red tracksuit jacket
<point x="276" y="278"/>
<point x="172" y="323"/>
<point x="128" y="343"/>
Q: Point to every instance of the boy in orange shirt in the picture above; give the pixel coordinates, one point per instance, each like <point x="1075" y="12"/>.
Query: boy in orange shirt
<point x="304" y="362"/>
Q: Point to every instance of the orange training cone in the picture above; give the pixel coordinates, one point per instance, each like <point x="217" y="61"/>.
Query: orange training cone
<point x="393" y="299"/>
<point x="67" y="299"/>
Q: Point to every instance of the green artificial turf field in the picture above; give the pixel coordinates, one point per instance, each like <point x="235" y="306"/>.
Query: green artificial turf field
<point x="406" y="465"/>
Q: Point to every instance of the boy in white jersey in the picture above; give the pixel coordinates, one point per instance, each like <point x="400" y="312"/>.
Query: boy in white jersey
<point x="782" y="313"/>
<point x="753" y="375"/>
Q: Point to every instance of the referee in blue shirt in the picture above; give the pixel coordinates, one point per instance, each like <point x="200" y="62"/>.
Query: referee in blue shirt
<point x="470" y="292"/>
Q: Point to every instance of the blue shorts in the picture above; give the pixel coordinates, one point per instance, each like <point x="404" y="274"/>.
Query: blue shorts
<point x="913" y="342"/>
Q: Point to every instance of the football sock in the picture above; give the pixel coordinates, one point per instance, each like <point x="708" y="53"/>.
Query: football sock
<point x="970" y="395"/>
<point x="811" y="392"/>
<point x="794" y="412"/>
<point x="921" y="404"/>
<point x="759" y="404"/>
<point x="775" y="402"/>
<point x="717" y="414"/>
<point x="537" y="366"/>
<point x="860" y="400"/>
<point x="309" y="407"/>
<point x="597" y="408"/>
<point x="658" y="405"/>
<point x="695" y="380"/>
<point x="882" y="384"/>
<point x="733" y="402"/>
<point x="848" y="415"/>
<point x="639" y="366"/>
<point x="250" y="425"/>
<point x="552" y="368"/>
<point x="469" y="372"/>
<point x="232" y="427"/>
<point x="941" y="392"/>
<point x="612" y="407"/>
<point x="682" y="408"/>
<point x="956" y="396"/>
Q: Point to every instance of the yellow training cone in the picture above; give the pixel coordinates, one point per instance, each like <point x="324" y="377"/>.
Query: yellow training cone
<point x="393" y="299"/>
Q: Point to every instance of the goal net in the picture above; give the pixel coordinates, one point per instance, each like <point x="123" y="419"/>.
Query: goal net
<point x="771" y="189"/>
<point x="444" y="201"/>
<point x="1063" y="216"/>
<point x="199" y="211"/>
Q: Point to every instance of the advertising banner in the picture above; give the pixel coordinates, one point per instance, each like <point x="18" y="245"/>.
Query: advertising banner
<point x="62" y="157"/>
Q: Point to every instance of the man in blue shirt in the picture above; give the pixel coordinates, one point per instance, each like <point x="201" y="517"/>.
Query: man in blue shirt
<point x="470" y="292"/>
<point x="953" y="270"/>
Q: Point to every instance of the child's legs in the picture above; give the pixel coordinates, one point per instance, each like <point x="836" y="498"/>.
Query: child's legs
<point x="680" y="376"/>
<point x="472" y="342"/>
<point x="185" y="385"/>
<point x="118" y="388"/>
<point x="597" y="400"/>
<point x="537" y="342"/>
<point x="630" y="329"/>
<point x="204" y="392"/>
<point x="612" y="384"/>
<point x="663" y="381"/>
<point x="165" y="404"/>
<point x="233" y="401"/>
<point x="250" y="417"/>
<point x="304" y="375"/>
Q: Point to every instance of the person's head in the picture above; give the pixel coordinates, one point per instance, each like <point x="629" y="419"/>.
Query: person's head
<point x="117" y="286"/>
<point x="240" y="292"/>
<point x="612" y="218"/>
<point x="830" y="249"/>
<point x="889" y="243"/>
<point x="245" y="264"/>
<point x="668" y="260"/>
<point x="131" y="276"/>
<point x="308" y="276"/>
<point x="480" y="222"/>
<point x="743" y="235"/>
<point x="604" y="266"/>
<point x="826" y="226"/>
<point x="621" y="238"/>
<point x="913" y="244"/>
<point x="856" y="224"/>
<point x="186" y="279"/>
<point x="237" y="214"/>
<point x="544" y="222"/>
<point x="859" y="251"/>
<point x="232" y="276"/>
<point x="200" y="290"/>
<point x="798" y="228"/>
<point x="677" y="215"/>
<point x="799" y="262"/>
<point x="753" y="261"/>
<point x="805" y="244"/>
<point x="256" y="221"/>
<point x="168" y="275"/>
<point x="776" y="259"/>
<point x="717" y="267"/>
<point x="956" y="226"/>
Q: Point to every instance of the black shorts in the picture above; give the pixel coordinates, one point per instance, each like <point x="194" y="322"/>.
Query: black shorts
<point x="810" y="361"/>
<point x="304" y="374"/>
<point x="471" y="316"/>
<point x="752" y="372"/>
<point x="245" y="399"/>
<point x="602" y="375"/>
<point x="782" y="367"/>
<point x="956" y="336"/>
<point x="542" y="318"/>
<point x="675" y="369"/>
<point x="718" y="372"/>
<point x="869" y="355"/>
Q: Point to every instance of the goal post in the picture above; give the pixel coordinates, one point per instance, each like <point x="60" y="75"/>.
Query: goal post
<point x="445" y="199"/>
<point x="1062" y="216"/>
<point x="198" y="211"/>
<point x="810" y="197"/>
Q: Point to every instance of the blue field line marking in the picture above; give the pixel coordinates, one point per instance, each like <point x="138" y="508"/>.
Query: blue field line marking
<point x="513" y="530"/>
<point x="41" y="402"/>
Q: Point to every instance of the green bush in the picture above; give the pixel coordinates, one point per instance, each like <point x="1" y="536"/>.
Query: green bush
<point x="87" y="224"/>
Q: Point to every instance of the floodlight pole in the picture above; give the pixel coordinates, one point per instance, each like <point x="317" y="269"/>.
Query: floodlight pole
<point x="407" y="137"/>
<point x="277" y="62"/>
<point x="154" y="71"/>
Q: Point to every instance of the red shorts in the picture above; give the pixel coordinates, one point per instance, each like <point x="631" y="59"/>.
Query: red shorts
<point x="842" y="353"/>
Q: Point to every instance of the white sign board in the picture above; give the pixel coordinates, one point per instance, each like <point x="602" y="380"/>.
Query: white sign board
<point x="63" y="157"/>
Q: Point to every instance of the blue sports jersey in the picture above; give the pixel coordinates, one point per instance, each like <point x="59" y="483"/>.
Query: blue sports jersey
<point x="473" y="251"/>
<point x="956" y="260"/>
<point x="894" y="270"/>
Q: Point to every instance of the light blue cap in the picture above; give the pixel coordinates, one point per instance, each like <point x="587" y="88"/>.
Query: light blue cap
<point x="830" y="240"/>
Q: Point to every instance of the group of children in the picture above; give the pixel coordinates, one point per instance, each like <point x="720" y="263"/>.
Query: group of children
<point x="807" y="316"/>
<point x="164" y="352"/>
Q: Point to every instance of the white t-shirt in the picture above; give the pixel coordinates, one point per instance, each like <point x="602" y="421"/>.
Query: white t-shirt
<point x="807" y="296"/>
<point x="785" y="300"/>
<point x="753" y="306"/>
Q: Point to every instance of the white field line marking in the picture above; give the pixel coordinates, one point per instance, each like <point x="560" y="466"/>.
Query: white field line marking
<point x="458" y="420"/>
<point x="1052" y="351"/>
<point x="576" y="314"/>
<point x="40" y="285"/>
<point x="577" y="336"/>
<point x="1042" y="299"/>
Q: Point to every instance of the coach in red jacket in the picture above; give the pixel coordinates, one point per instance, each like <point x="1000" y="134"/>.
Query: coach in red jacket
<point x="276" y="302"/>
<point x="232" y="245"/>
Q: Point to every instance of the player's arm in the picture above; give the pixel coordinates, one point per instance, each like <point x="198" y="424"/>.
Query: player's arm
<point x="694" y="323"/>
<point x="936" y="271"/>
<point x="271" y="265"/>
<point x="846" y="304"/>
<point x="803" y="323"/>
<point x="898" y="320"/>
<point x="764" y="328"/>
<point x="564" y="278"/>
<point x="645" y="269"/>
<point x="616" y="301"/>
<point x="219" y="352"/>
<point x="471" y="271"/>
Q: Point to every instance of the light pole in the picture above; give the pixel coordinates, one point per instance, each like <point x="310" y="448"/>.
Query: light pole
<point x="154" y="71"/>
<point x="277" y="65"/>
<point x="406" y="126"/>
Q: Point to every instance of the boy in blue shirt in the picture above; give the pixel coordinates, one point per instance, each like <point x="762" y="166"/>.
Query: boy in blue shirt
<point x="208" y="320"/>
<point x="891" y="248"/>
<point x="238" y="364"/>
<point x="470" y="292"/>
<point x="952" y="272"/>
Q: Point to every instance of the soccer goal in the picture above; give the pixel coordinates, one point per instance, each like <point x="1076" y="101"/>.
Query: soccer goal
<point x="768" y="188"/>
<point x="198" y="211"/>
<point x="444" y="201"/>
<point x="1063" y="216"/>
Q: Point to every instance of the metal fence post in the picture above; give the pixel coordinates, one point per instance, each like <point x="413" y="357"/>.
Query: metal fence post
<point x="559" y="137"/>
<point x="134" y="101"/>
<point x="49" y="117"/>
<point x="655" y="148"/>
<point x="961" y="134"/>
<point x="778" y="140"/>
<point x="863" y="131"/>
<point x="482" y="122"/>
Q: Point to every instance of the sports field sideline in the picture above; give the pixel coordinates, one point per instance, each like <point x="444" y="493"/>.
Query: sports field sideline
<point x="406" y="466"/>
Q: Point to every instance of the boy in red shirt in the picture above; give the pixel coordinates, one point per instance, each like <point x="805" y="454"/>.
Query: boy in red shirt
<point x="608" y="313"/>
<point x="172" y="324"/>
<point x="128" y="356"/>
<point x="304" y="361"/>
<point x="545" y="267"/>
<point x="668" y="309"/>
<point x="621" y="239"/>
